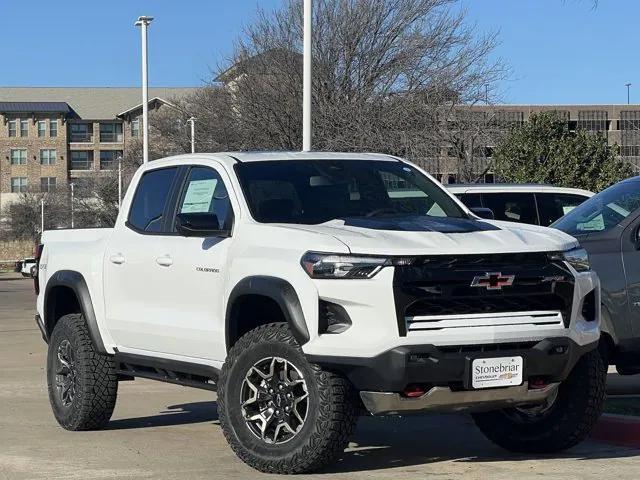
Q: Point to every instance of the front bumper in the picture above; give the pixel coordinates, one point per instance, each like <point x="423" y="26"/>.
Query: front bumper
<point x="550" y="360"/>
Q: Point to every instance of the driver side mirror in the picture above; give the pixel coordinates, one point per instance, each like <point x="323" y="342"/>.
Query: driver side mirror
<point x="200" y="225"/>
<point x="636" y="238"/>
<point x="485" y="213"/>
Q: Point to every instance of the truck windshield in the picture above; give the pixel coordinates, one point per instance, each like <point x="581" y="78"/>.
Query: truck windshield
<point x="314" y="192"/>
<point x="603" y="211"/>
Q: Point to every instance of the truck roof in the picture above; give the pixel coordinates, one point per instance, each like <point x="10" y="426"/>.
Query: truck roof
<point x="514" y="187"/>
<point x="230" y="158"/>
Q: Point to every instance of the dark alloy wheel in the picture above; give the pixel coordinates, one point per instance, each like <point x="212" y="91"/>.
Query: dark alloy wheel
<point x="65" y="374"/>
<point x="274" y="400"/>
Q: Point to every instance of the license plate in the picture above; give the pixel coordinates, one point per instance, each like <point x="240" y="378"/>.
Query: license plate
<point x="496" y="372"/>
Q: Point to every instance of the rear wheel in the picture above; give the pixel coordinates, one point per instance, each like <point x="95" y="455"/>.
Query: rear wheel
<point x="279" y="413"/>
<point x="563" y="421"/>
<point x="83" y="384"/>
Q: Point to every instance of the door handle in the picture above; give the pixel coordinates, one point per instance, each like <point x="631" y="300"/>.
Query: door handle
<point x="165" y="261"/>
<point x="118" y="259"/>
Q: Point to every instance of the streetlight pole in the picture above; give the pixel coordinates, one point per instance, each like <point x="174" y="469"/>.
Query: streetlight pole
<point x="119" y="183"/>
<point x="192" y="121"/>
<point x="628" y="85"/>
<point x="144" y="22"/>
<point x="71" y="185"/>
<point x="42" y="215"/>
<point x="307" y="133"/>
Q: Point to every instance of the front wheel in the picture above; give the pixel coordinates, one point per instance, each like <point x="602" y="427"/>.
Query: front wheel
<point x="562" y="422"/>
<point x="280" y="413"/>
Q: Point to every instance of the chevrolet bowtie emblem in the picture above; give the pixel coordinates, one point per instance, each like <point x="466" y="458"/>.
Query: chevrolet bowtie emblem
<point x="493" y="281"/>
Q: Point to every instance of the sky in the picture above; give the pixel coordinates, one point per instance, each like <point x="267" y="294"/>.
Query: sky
<point x="559" y="51"/>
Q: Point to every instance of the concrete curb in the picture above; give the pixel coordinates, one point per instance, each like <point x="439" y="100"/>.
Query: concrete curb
<point x="619" y="430"/>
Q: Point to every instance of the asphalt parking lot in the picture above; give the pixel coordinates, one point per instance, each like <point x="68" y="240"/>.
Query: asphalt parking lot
<point x="162" y="431"/>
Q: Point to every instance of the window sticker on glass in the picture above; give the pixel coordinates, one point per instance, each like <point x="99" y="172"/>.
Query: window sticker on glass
<point x="567" y="208"/>
<point x="199" y="195"/>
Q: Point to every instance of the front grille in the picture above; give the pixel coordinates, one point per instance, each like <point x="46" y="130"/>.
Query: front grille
<point x="431" y="288"/>
<point x="485" y="304"/>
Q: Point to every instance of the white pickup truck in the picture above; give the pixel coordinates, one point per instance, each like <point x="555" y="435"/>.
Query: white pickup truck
<point x="309" y="287"/>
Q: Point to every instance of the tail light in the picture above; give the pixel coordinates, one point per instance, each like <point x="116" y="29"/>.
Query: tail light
<point x="37" y="255"/>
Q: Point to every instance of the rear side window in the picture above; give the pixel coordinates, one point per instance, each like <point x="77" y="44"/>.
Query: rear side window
<point x="552" y="206"/>
<point x="512" y="207"/>
<point x="150" y="200"/>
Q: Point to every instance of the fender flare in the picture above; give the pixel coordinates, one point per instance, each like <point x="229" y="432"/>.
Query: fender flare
<point x="607" y="324"/>
<point x="277" y="289"/>
<point x="76" y="282"/>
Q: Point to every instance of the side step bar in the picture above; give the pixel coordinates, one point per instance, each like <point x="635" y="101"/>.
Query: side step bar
<point x="165" y="370"/>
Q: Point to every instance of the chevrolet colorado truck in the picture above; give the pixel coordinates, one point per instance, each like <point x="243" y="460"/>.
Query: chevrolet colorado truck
<point x="307" y="288"/>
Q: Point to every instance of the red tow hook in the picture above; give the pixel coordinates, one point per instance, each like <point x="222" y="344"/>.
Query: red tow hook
<point x="537" y="383"/>
<point x="414" y="391"/>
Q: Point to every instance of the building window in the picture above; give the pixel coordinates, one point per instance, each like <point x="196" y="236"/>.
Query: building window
<point x="48" y="184"/>
<point x="80" y="133"/>
<point x="18" y="184"/>
<point x="18" y="156"/>
<point x="42" y="128"/>
<point x="53" y="127"/>
<point x="592" y="120"/>
<point x="109" y="159"/>
<point x="24" y="128"/>
<point x="135" y="128"/>
<point x="82" y="160"/>
<point x="48" y="157"/>
<point x="111" y="132"/>
<point x="13" y="125"/>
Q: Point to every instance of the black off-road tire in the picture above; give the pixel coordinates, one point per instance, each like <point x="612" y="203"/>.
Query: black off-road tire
<point x="331" y="415"/>
<point x="566" y="423"/>
<point x="95" y="379"/>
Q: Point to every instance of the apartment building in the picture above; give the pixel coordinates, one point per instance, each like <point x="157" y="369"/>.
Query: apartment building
<point x="52" y="136"/>
<point x="619" y="124"/>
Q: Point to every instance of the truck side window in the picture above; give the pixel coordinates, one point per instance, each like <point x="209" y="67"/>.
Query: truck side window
<point x="151" y="197"/>
<point x="512" y="207"/>
<point x="552" y="206"/>
<point x="471" y="200"/>
<point x="205" y="192"/>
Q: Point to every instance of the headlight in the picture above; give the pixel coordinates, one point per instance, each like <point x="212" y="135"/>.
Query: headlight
<point x="332" y="265"/>
<point x="578" y="258"/>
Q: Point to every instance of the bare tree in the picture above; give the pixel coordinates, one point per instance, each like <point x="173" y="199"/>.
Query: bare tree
<point x="23" y="217"/>
<point x="386" y="71"/>
<point x="389" y="76"/>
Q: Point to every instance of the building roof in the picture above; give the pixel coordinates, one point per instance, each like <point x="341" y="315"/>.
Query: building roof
<point x="90" y="103"/>
<point x="15" y="107"/>
<point x="152" y="103"/>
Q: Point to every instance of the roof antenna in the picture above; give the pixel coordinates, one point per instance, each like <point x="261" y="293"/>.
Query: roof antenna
<point x="307" y="132"/>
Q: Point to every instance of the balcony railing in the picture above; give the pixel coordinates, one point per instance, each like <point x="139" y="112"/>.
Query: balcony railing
<point x="111" y="137"/>
<point x="81" y="137"/>
<point x="81" y="164"/>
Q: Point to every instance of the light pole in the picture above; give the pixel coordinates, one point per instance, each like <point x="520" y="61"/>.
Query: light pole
<point x="119" y="182"/>
<point x="72" y="185"/>
<point x="307" y="133"/>
<point x="144" y="22"/>
<point x="628" y="85"/>
<point x="42" y="215"/>
<point x="192" y="121"/>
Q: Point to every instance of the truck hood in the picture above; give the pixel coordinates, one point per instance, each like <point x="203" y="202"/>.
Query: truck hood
<point x="441" y="236"/>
